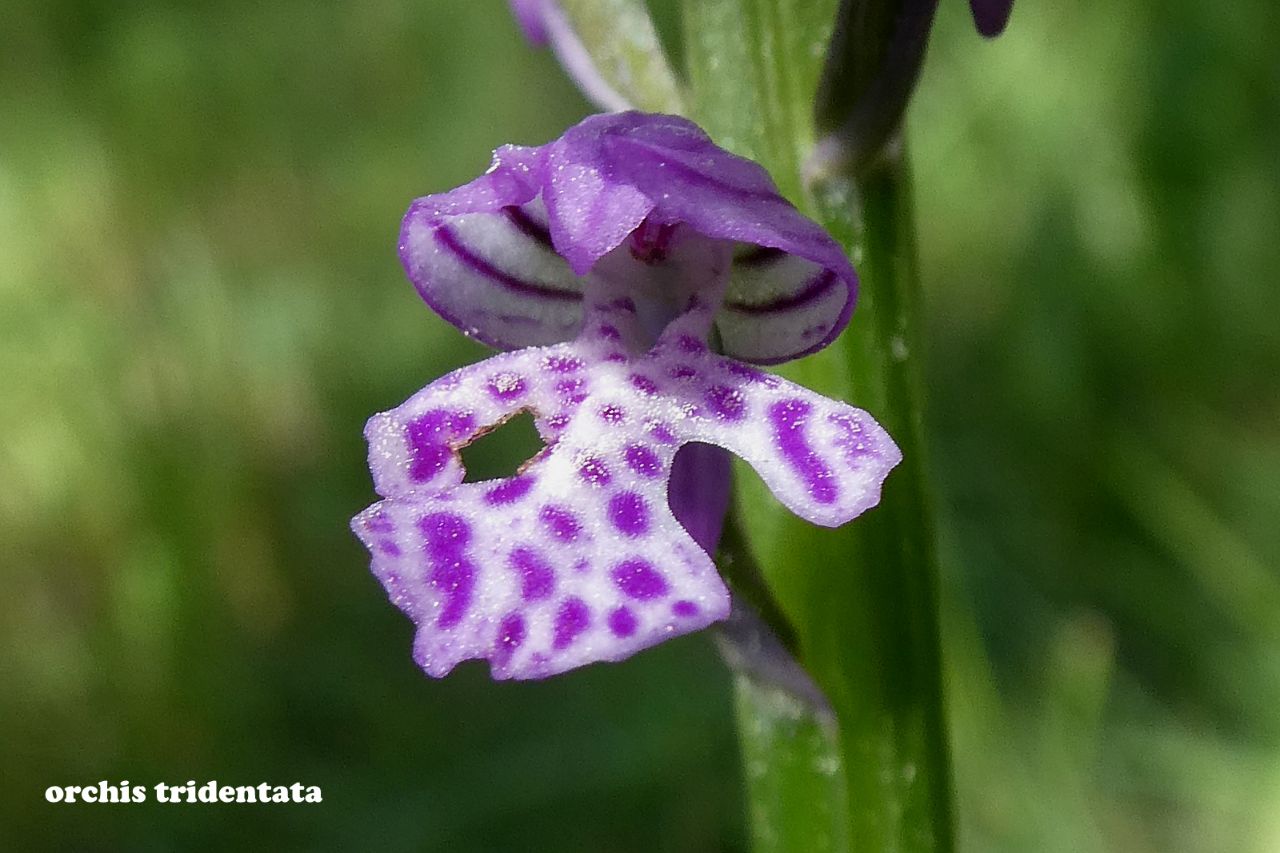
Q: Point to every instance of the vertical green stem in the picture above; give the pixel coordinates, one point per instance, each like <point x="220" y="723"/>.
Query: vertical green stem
<point x="861" y="600"/>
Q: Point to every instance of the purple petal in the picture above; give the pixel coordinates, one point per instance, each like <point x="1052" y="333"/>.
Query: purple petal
<point x="991" y="16"/>
<point x="491" y="256"/>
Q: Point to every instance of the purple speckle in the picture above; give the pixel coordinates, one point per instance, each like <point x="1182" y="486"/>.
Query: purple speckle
<point x="559" y="420"/>
<point x="662" y="433"/>
<point x="511" y="633"/>
<point x="537" y="579"/>
<point x="788" y="418"/>
<point x="506" y="386"/>
<point x="751" y="374"/>
<point x="509" y="491"/>
<point x="690" y="344"/>
<point x="572" y="618"/>
<point x="389" y="548"/>
<point x="563" y="363"/>
<point x="379" y="522"/>
<point x="682" y="371"/>
<point x="684" y="609"/>
<point x="629" y="513"/>
<point x="572" y="389"/>
<point x="852" y="438"/>
<point x="639" y="580"/>
<point x="643" y="384"/>
<point x="622" y="622"/>
<point x="727" y="403"/>
<point x="562" y="523"/>
<point x="446" y="533"/>
<point x="451" y="572"/>
<point x="612" y="414"/>
<point x="594" y="472"/>
<point x="428" y="439"/>
<point x="616" y="357"/>
<point x="643" y="460"/>
<point x="609" y="333"/>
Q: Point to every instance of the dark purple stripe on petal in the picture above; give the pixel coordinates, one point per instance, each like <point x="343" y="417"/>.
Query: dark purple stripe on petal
<point x="789" y="419"/>
<point x="450" y="241"/>
<point x="759" y="256"/>
<point x="530" y="227"/>
<point x="816" y="289"/>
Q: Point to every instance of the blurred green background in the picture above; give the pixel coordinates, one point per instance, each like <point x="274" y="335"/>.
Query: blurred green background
<point x="200" y="304"/>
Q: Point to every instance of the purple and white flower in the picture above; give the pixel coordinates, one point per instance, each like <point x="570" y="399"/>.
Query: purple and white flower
<point x="634" y="268"/>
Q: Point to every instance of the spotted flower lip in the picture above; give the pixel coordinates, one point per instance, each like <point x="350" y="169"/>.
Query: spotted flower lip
<point x="580" y="558"/>
<point x="507" y="256"/>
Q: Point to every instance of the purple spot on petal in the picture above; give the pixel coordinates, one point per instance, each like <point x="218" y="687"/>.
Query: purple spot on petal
<point x="509" y="491"/>
<point x="446" y="534"/>
<point x="662" y="433"/>
<point x="428" y="438"/>
<point x="609" y="332"/>
<point x="616" y="357"/>
<point x="572" y="389"/>
<point x="684" y="609"/>
<point x="563" y="363"/>
<point x="682" y="371"/>
<point x="643" y="460"/>
<point x="727" y="403"/>
<point x="506" y="386"/>
<point x="562" y="523"/>
<point x="690" y="344"/>
<point x="643" y="384"/>
<point x="572" y="619"/>
<point x="789" y="418"/>
<point x="379" y="522"/>
<point x="389" y="548"/>
<point x="537" y="579"/>
<point x="622" y="622"/>
<point x="612" y="414"/>
<point x="751" y="374"/>
<point x="511" y="634"/>
<point x="639" y="580"/>
<point x="451" y="572"/>
<point x="629" y="513"/>
<point x="852" y="438"/>
<point x="559" y="420"/>
<point x="595" y="472"/>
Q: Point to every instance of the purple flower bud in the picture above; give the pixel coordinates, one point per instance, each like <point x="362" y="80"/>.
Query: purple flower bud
<point x="543" y="23"/>
<point x="991" y="16"/>
<point x="636" y="237"/>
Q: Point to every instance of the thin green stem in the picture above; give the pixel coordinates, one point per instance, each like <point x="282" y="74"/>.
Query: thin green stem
<point x="861" y="600"/>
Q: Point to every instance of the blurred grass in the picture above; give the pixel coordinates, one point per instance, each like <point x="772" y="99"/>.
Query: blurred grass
<point x="200" y="304"/>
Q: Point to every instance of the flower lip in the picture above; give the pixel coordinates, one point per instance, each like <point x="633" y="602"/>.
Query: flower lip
<point x="540" y="220"/>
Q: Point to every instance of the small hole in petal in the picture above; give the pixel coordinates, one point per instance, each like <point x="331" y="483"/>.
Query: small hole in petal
<point x="503" y="450"/>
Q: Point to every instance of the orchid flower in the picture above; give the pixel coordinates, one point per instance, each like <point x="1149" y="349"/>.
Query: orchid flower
<point x="635" y="271"/>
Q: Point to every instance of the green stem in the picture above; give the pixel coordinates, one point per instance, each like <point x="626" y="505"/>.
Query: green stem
<point x="860" y="601"/>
